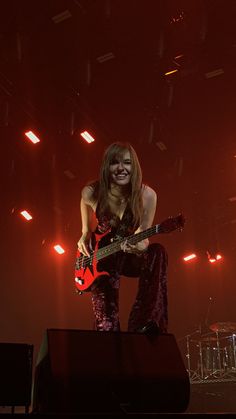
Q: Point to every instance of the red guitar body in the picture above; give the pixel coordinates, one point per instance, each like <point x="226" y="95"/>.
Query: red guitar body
<point x="88" y="269"/>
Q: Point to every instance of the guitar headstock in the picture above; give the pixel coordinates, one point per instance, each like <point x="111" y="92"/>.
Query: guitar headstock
<point x="171" y="224"/>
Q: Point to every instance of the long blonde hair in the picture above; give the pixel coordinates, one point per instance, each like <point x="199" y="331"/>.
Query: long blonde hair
<point x="102" y="186"/>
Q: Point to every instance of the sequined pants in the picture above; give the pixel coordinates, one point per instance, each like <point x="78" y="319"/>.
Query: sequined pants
<point x="151" y="303"/>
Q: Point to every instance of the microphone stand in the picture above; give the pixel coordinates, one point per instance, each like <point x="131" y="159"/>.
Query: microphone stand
<point x="208" y="312"/>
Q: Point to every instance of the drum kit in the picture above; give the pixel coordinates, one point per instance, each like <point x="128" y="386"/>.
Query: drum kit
<point x="212" y="356"/>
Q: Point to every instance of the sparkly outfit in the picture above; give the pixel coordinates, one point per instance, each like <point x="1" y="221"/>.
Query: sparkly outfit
<point x="151" y="268"/>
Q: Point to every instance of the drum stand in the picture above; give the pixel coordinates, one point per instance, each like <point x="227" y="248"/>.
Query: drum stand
<point x="214" y="355"/>
<point x="193" y="374"/>
<point x="227" y="353"/>
<point x="217" y="370"/>
<point x="230" y="359"/>
<point x="201" y="360"/>
<point x="224" y="369"/>
<point x="234" y="350"/>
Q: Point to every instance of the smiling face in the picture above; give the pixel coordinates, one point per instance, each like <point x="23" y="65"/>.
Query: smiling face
<point x="120" y="169"/>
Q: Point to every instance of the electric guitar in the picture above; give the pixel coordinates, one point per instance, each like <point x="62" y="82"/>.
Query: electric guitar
<point x="86" y="267"/>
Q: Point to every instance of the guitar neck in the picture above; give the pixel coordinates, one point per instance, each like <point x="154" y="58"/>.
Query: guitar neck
<point x="133" y="239"/>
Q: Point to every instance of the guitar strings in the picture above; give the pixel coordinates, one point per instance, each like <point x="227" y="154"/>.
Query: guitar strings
<point x="84" y="261"/>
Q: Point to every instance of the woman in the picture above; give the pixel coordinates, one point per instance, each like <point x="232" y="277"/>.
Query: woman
<point x="123" y="206"/>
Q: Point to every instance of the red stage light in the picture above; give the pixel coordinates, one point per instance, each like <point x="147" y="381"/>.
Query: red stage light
<point x="213" y="258"/>
<point x="59" y="249"/>
<point x="26" y="215"/>
<point x="168" y="73"/>
<point x="32" y="137"/>
<point x="87" y="137"/>
<point x="189" y="257"/>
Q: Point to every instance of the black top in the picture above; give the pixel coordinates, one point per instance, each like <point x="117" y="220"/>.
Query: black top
<point x="119" y="227"/>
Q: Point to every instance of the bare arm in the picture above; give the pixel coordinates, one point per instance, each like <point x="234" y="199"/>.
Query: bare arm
<point x="87" y="212"/>
<point x="149" y="210"/>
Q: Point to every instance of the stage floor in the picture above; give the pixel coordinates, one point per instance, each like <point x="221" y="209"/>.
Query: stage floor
<point x="209" y="397"/>
<point x="213" y="396"/>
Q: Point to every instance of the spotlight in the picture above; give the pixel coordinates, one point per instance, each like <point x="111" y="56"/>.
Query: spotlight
<point x="213" y="257"/>
<point x="189" y="257"/>
<point x="59" y="249"/>
<point x="87" y="137"/>
<point x="26" y="215"/>
<point x="32" y="137"/>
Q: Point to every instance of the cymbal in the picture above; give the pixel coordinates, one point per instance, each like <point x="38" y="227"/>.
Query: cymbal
<point x="209" y="337"/>
<point x="206" y="340"/>
<point x="223" y="327"/>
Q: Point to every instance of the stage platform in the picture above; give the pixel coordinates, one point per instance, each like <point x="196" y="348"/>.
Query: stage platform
<point x="209" y="397"/>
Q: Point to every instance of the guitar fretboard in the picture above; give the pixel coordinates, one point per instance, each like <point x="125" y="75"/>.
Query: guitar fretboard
<point x="116" y="246"/>
<point x="135" y="238"/>
<point x="166" y="226"/>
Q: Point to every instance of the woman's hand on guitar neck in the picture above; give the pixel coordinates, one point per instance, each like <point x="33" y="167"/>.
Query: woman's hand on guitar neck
<point x="137" y="249"/>
<point x="83" y="243"/>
